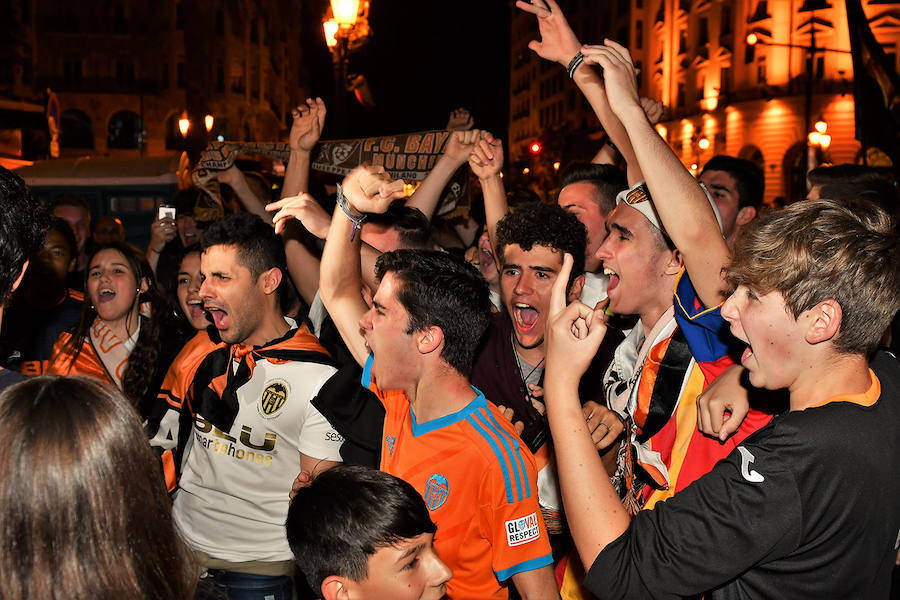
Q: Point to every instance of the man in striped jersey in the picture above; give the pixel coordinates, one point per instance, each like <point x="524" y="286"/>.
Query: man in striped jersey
<point x="440" y="434"/>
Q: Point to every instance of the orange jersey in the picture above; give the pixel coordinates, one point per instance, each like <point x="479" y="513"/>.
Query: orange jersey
<point x="164" y="424"/>
<point x="87" y="363"/>
<point x="479" y="483"/>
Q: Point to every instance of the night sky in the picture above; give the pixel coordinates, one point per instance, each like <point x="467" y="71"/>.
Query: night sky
<point x="425" y="58"/>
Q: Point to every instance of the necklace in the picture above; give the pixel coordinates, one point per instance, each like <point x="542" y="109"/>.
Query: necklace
<point x="519" y="362"/>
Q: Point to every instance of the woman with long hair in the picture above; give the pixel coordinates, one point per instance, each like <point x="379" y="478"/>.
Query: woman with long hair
<point x="83" y="511"/>
<point x="117" y="339"/>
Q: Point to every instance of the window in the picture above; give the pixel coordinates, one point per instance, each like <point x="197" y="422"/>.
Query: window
<point x="75" y="130"/>
<point x="639" y="35"/>
<point x="125" y="73"/>
<point x="72" y="71"/>
<point x="125" y="130"/>
<point x="180" y="74"/>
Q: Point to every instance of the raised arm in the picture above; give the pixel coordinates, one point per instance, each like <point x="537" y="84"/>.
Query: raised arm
<point x="486" y="162"/>
<point x="456" y="152"/>
<point x="683" y="206"/>
<point x="559" y="44"/>
<point x="574" y="334"/>
<point x="309" y="119"/>
<point x="245" y="194"/>
<point x="366" y="190"/>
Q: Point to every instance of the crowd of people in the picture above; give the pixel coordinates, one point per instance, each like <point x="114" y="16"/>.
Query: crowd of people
<point x="653" y="386"/>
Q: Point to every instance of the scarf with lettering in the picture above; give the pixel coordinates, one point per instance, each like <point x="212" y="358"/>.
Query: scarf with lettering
<point x="217" y="381"/>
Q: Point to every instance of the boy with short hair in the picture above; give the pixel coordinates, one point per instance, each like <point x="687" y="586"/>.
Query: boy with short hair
<point x="360" y="533"/>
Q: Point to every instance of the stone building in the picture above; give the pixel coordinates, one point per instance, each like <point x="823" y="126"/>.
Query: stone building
<point x="724" y="96"/>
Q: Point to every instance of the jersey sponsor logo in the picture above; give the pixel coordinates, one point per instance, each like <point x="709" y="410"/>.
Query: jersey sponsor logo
<point x="524" y="530"/>
<point x="273" y="398"/>
<point x="746" y="472"/>
<point x="391" y="440"/>
<point x="437" y="488"/>
<point x="334" y="436"/>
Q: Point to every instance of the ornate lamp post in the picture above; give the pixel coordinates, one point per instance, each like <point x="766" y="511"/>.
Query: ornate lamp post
<point x="346" y="30"/>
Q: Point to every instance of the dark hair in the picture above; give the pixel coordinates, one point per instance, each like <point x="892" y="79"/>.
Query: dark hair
<point x="182" y="329"/>
<point x="184" y="201"/>
<point x="345" y="515"/>
<point x="137" y="379"/>
<point x="441" y="290"/>
<point x="609" y="180"/>
<point x="22" y="229"/>
<point x="410" y="223"/>
<point x="817" y="250"/>
<point x="64" y="229"/>
<point x="548" y="225"/>
<point x="70" y="199"/>
<point x="259" y="248"/>
<point x="85" y="512"/>
<point x="856" y="182"/>
<point x="518" y="196"/>
<point x="748" y="178"/>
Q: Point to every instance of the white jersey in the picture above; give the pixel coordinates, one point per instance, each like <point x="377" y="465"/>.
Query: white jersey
<point x="233" y="500"/>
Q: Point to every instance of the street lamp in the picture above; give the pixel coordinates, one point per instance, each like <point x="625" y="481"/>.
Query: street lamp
<point x="184" y="125"/>
<point x="346" y="30"/>
<point x="817" y="138"/>
<point x="209" y="120"/>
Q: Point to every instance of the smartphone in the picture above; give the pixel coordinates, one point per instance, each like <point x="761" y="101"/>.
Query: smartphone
<point x="166" y="212"/>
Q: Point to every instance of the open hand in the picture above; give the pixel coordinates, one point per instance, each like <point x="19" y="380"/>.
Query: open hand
<point x="558" y="42"/>
<point x="619" y="75"/>
<point x="460" y="120"/>
<point x="305" y="209"/>
<point x="309" y="119"/>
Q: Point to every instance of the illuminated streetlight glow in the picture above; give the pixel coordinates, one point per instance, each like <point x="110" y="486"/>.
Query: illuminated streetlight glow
<point x="821" y="126"/>
<point x="752" y="39"/>
<point x="331" y="27"/>
<point x="345" y="12"/>
<point x="824" y="141"/>
<point x="526" y="171"/>
<point x="209" y="120"/>
<point x="703" y="143"/>
<point x="556" y="166"/>
<point x="815" y="137"/>
<point x="535" y="147"/>
<point x="184" y="125"/>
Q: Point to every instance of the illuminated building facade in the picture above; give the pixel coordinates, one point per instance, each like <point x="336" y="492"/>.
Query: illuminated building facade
<point x="725" y="97"/>
<point x="123" y="69"/>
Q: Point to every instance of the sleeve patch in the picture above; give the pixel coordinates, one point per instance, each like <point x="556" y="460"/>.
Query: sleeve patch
<point x="523" y="530"/>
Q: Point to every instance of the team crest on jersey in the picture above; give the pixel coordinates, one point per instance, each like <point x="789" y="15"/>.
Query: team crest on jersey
<point x="390" y="443"/>
<point x="437" y="488"/>
<point x="273" y="398"/>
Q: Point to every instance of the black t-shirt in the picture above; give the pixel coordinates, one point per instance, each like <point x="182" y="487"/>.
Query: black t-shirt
<point x="29" y="334"/>
<point x="806" y="507"/>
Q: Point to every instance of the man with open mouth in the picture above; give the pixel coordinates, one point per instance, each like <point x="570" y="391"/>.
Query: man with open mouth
<point x="254" y="426"/>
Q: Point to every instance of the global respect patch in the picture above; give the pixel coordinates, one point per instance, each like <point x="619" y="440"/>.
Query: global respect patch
<point x="523" y="530"/>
